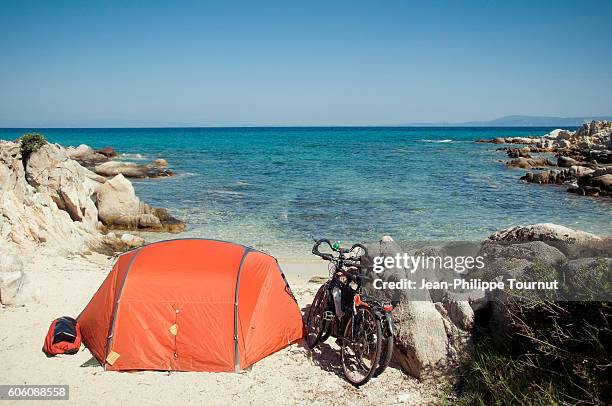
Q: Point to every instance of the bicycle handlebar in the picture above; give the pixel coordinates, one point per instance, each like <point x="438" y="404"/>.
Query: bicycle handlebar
<point x="325" y="256"/>
<point x="365" y="250"/>
<point x="330" y="257"/>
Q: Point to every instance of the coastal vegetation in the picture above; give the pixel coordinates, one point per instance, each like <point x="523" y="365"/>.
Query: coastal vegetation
<point x="554" y="350"/>
<point x="31" y="143"/>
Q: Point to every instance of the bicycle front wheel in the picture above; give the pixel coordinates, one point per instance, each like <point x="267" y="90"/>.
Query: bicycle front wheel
<point x="316" y="325"/>
<point x="361" y="346"/>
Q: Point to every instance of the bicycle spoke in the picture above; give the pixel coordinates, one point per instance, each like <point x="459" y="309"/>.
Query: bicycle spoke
<point x="361" y="351"/>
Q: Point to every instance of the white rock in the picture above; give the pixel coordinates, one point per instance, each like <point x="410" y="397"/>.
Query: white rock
<point x="71" y="187"/>
<point x="543" y="232"/>
<point x="11" y="275"/>
<point x="31" y="216"/>
<point x="119" y="207"/>
<point x="577" y="170"/>
<point x="133" y="170"/>
<point x="132" y="240"/>
<point x="420" y="338"/>
<point x="118" y="203"/>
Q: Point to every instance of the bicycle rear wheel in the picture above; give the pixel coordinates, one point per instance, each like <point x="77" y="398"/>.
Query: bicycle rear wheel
<point x="361" y="346"/>
<point x="316" y="325"/>
<point x="387" y="351"/>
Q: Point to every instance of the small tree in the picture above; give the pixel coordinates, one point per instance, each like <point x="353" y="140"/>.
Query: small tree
<point x="31" y="143"/>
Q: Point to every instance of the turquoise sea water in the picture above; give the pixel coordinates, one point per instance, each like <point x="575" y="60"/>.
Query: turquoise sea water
<point x="273" y="188"/>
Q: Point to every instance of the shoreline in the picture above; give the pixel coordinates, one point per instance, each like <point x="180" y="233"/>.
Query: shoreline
<point x="432" y="333"/>
<point x="22" y="329"/>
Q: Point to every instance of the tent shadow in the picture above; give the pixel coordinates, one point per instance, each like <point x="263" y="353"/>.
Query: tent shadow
<point x="92" y="362"/>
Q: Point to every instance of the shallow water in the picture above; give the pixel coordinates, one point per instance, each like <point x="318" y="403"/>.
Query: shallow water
<point x="273" y="188"/>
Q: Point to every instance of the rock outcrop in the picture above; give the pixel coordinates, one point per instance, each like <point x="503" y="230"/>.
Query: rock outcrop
<point x="548" y="250"/>
<point x="543" y="232"/>
<point x="557" y="177"/>
<point x="88" y="157"/>
<point x="71" y="186"/>
<point x="12" y="277"/>
<point x="101" y="162"/>
<point x="518" y="152"/>
<point x="51" y="207"/>
<point x="432" y="331"/>
<point x="529" y="163"/>
<point x="511" y="140"/>
<point x="585" y="156"/>
<point x="155" y="169"/>
<point x="30" y="214"/>
<point x="594" y="135"/>
<point x="595" y="183"/>
<point x="119" y="207"/>
<point x="434" y="327"/>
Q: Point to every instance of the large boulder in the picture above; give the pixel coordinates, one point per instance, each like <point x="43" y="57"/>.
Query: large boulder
<point x="546" y="177"/>
<point x="543" y="232"/>
<point x="119" y="207"/>
<point x="592" y="185"/>
<point x="555" y="133"/>
<point x="529" y="163"/>
<point x="12" y="276"/>
<point x="117" y="199"/>
<point x="522" y="140"/>
<point x="557" y="177"/>
<point x="518" y="152"/>
<point x="70" y="185"/>
<point x="132" y="240"/>
<point x="531" y="251"/>
<point x="88" y="157"/>
<point x="603" y="182"/>
<point x="566" y="162"/>
<point x="108" y="152"/>
<point x="509" y="259"/>
<point x="30" y="216"/>
<point x="571" y="243"/>
<point x="155" y="169"/>
<point x="431" y="337"/>
<point x="421" y="342"/>
<point x="432" y="329"/>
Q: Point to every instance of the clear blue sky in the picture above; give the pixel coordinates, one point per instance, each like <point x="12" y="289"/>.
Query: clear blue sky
<point x="300" y="63"/>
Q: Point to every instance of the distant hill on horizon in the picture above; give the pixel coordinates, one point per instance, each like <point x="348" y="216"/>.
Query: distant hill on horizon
<point x="506" y="121"/>
<point x="521" y="121"/>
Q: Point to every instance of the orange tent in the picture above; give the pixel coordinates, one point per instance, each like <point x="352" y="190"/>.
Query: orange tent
<point x="190" y="305"/>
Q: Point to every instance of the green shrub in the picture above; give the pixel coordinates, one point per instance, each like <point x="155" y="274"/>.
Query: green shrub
<point x="495" y="376"/>
<point x="556" y="352"/>
<point x="31" y="143"/>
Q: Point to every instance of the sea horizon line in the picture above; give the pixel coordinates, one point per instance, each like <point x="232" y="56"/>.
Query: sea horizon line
<point x="279" y="127"/>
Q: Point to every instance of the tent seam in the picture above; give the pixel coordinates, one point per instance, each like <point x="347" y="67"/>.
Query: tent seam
<point x="111" y="334"/>
<point x="255" y="308"/>
<point x="236" y="354"/>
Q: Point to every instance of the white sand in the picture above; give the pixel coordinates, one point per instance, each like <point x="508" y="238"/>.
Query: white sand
<point x="293" y="375"/>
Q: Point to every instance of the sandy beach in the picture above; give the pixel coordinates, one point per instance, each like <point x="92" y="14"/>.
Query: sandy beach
<point x="294" y="375"/>
<point x="451" y="160"/>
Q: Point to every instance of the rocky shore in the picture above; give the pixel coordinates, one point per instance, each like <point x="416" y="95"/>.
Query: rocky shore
<point x="583" y="158"/>
<point x="52" y="205"/>
<point x="103" y="162"/>
<point x="435" y="329"/>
